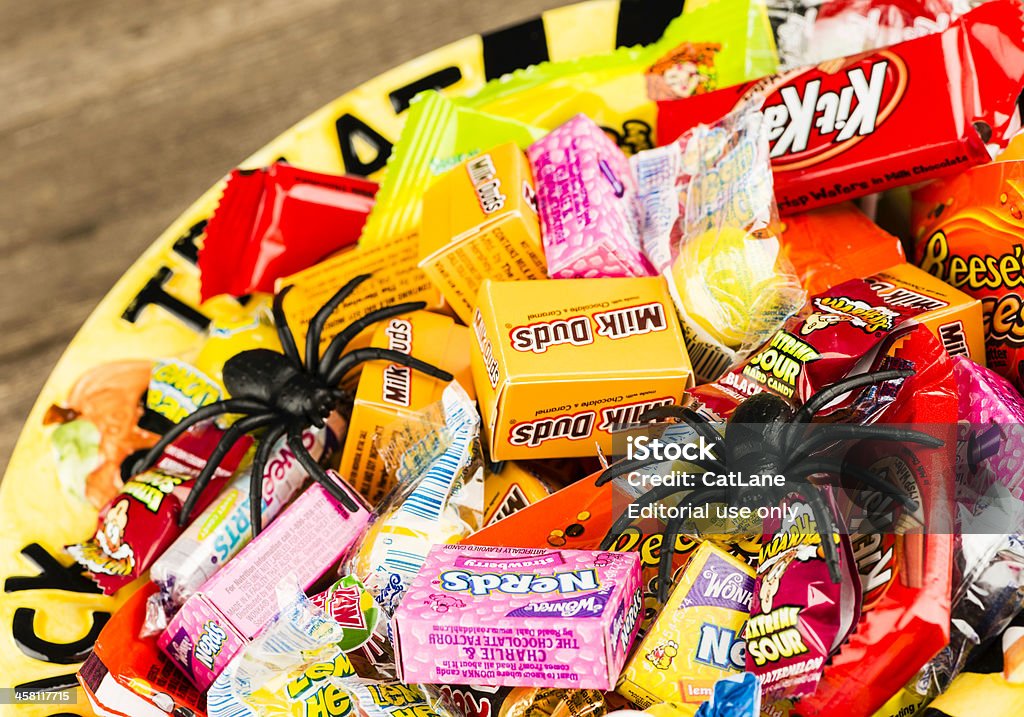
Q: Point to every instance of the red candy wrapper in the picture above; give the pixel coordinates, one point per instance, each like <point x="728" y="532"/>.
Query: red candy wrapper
<point x="906" y="575"/>
<point x="901" y="115"/>
<point x="817" y="346"/>
<point x="127" y="675"/>
<point x="276" y="221"/>
<point x="138" y="524"/>
<point x="798" y="616"/>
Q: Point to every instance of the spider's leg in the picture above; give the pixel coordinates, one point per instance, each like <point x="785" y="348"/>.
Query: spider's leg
<point x="864" y="475"/>
<point x="668" y="551"/>
<point x="231" y="405"/>
<point x="353" y="359"/>
<point x="316" y="472"/>
<point x="345" y="336"/>
<point x="833" y="432"/>
<point x="259" y="463"/>
<point x="826" y="526"/>
<point x="834" y="390"/>
<point x="226" y="443"/>
<point x="316" y="325"/>
<point x="284" y="331"/>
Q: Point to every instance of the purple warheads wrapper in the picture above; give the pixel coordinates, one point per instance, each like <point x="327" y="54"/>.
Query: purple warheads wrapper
<point x="798" y="616"/>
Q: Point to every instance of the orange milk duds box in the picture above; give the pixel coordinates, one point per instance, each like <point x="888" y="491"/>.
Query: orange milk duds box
<point x="388" y="392"/>
<point x="394" y="278"/>
<point x="953" y="317"/>
<point x="561" y="365"/>
<point x="480" y="222"/>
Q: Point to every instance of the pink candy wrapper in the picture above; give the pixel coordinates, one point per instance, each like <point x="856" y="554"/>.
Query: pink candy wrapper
<point x="230" y="608"/>
<point x="586" y="193"/>
<point x="519" y="617"/>
<point x="991" y="434"/>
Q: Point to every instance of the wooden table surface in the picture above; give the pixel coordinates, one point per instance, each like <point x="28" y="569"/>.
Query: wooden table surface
<point x="115" y="116"/>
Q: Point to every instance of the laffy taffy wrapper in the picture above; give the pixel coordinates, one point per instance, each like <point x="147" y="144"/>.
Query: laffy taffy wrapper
<point x="967" y="232"/>
<point x="438" y="134"/>
<point x="725" y="42"/>
<point x="519" y="617"/>
<point x="586" y="194"/>
<point x="698" y="636"/>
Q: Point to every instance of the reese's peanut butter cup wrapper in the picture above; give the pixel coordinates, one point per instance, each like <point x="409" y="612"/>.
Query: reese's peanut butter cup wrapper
<point x="967" y="232"/>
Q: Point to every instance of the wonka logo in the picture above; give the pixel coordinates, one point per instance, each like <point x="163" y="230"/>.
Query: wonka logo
<point x="818" y="114"/>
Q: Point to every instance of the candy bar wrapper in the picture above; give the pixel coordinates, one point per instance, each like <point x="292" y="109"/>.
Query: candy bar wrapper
<point x="798" y="616"/>
<point x="722" y="43"/>
<point x="840" y="329"/>
<point x="519" y="617"/>
<point x="437" y="459"/>
<point x="223" y="529"/>
<point x="967" y="232"/>
<point x="438" y="134"/>
<point x="278" y="220"/>
<point x="698" y="636"/>
<point x="307" y="540"/>
<point x="711" y="226"/>
<point x="586" y="194"/>
<point x="142" y="520"/>
<point x="825" y="149"/>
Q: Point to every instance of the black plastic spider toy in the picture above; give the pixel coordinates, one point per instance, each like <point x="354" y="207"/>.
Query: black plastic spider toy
<point x="765" y="435"/>
<point x="279" y="392"/>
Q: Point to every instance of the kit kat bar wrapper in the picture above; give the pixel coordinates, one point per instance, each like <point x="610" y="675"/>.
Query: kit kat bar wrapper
<point x="900" y="115"/>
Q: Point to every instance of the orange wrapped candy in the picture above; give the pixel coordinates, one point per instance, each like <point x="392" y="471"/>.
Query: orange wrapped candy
<point x="967" y="231"/>
<point x="837" y="243"/>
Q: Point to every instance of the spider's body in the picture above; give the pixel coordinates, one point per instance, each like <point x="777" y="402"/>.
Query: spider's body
<point x="284" y="394"/>
<point x="765" y="435"/>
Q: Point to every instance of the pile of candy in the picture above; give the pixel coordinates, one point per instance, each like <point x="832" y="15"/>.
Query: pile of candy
<point x="394" y="483"/>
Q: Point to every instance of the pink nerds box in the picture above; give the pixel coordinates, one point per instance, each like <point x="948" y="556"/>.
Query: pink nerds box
<point x="519" y="617"/>
<point x="307" y="539"/>
<point x="586" y="194"/>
